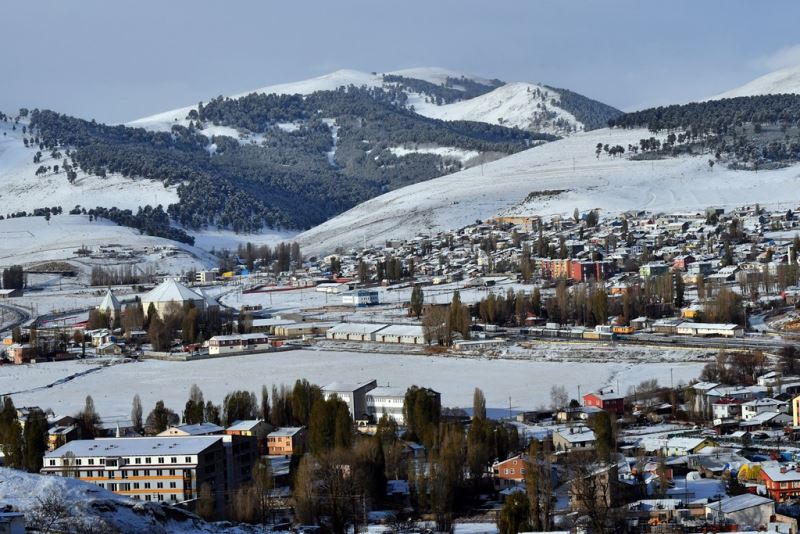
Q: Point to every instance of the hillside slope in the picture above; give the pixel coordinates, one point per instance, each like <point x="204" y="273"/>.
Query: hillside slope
<point x="778" y="82"/>
<point x="23" y="190"/>
<point x="555" y="178"/>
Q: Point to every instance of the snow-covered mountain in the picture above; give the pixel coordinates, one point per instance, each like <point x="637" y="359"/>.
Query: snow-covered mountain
<point x="782" y="81"/>
<point x="554" y="179"/>
<point x="529" y="106"/>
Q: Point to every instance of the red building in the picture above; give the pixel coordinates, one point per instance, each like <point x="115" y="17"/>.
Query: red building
<point x="782" y="481"/>
<point x="609" y="401"/>
<point x="581" y="271"/>
<point x="510" y="472"/>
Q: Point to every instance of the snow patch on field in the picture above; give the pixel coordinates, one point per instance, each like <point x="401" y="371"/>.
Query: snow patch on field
<point x="449" y="152"/>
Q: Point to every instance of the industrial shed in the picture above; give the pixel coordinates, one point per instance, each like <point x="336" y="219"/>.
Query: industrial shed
<point x="406" y="334"/>
<point x="710" y="329"/>
<point x="354" y="331"/>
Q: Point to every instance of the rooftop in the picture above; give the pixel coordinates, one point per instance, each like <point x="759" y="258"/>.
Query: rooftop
<point x="174" y="445"/>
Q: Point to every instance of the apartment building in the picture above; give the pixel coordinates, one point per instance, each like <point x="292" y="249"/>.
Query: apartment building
<point x="170" y="469"/>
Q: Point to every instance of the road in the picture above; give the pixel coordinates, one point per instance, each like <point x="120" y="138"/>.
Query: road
<point x="20" y="315"/>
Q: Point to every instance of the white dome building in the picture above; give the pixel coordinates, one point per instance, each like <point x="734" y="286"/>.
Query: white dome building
<point x="110" y="306"/>
<point x="171" y="291"/>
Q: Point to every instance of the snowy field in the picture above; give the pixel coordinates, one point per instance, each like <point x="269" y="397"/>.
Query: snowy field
<point x="28" y="240"/>
<point x="527" y="383"/>
<point x="612" y="185"/>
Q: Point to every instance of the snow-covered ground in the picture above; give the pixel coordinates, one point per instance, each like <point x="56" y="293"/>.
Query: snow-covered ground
<point x="786" y="80"/>
<point x="513" y="104"/>
<point x="30" y="240"/>
<point x="22" y="190"/>
<point x="526" y="382"/>
<point x="570" y="165"/>
<point x="99" y="510"/>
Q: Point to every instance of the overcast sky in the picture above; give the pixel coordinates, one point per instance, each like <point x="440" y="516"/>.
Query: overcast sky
<point x="117" y="61"/>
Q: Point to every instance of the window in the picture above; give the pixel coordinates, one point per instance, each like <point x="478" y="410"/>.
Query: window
<point x="172" y="472"/>
<point x="161" y="460"/>
<point x="138" y="460"/>
<point x="159" y="485"/>
<point x="111" y="474"/>
<point x="147" y="460"/>
<point x="505" y="471"/>
<point x="146" y="485"/>
<point x="135" y="473"/>
<point x="173" y="497"/>
<point x="188" y="459"/>
<point x="173" y="485"/>
<point x="148" y="497"/>
<point x="135" y="485"/>
<point x="52" y="462"/>
<point x="173" y="460"/>
<point x="78" y="461"/>
<point x="159" y="472"/>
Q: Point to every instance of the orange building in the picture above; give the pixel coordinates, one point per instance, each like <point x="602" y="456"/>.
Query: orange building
<point x="555" y="268"/>
<point x="286" y="441"/>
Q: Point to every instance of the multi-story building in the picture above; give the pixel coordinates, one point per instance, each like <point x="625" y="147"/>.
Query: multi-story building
<point x="170" y="469"/>
<point x="354" y="395"/>
<point x="386" y="400"/>
<point x="511" y="471"/>
<point x="554" y="268"/>
<point x="782" y="481"/>
<point x="581" y="271"/>
<point x="286" y="441"/>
